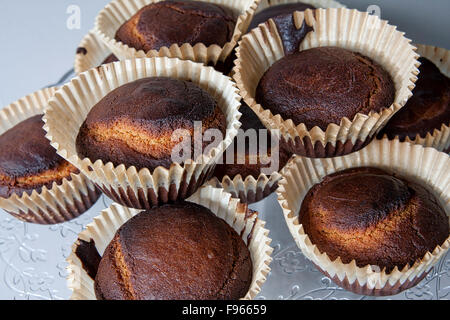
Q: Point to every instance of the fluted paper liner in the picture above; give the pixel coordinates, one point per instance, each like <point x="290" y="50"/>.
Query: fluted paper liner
<point x="251" y="229"/>
<point x="138" y="189"/>
<point x="96" y="53"/>
<point x="426" y="166"/>
<point x="349" y="29"/>
<point x="438" y="138"/>
<point x="248" y="190"/>
<point x="60" y="203"/>
<point x="118" y="12"/>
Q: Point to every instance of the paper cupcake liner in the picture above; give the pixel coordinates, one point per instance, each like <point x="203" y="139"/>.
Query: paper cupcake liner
<point x="119" y="11"/>
<point x="128" y="186"/>
<point x="349" y="29"/>
<point x="248" y="190"/>
<point x="439" y="138"/>
<point x="96" y="52"/>
<point x="424" y="165"/>
<point x="60" y="203"/>
<point x="237" y="215"/>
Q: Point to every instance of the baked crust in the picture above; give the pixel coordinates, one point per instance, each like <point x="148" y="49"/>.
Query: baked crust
<point x="323" y="85"/>
<point x="427" y="109"/>
<point x="135" y="123"/>
<point x="27" y="160"/>
<point x="165" y="23"/>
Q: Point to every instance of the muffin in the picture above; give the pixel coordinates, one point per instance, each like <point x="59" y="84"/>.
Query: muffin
<point x="202" y="246"/>
<point x="244" y="164"/>
<point x="89" y="258"/>
<point x="133" y="137"/>
<point x="250" y="172"/>
<point x="426" y="110"/>
<point x="82" y="50"/>
<point x="323" y="85"/>
<point x="225" y="66"/>
<point x="175" y="252"/>
<point x="375" y="211"/>
<point x="284" y="20"/>
<point x="278" y="13"/>
<point x="27" y="160"/>
<point x="165" y="23"/>
<point x="93" y="53"/>
<point x="373" y="217"/>
<point x="109" y="59"/>
<point x="368" y="35"/>
<point x="135" y="124"/>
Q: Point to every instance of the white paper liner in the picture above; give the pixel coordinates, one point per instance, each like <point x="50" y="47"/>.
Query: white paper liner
<point x="439" y="138"/>
<point x="104" y="227"/>
<point x="424" y="165"/>
<point x="248" y="189"/>
<point x="60" y="203"/>
<point x="118" y="12"/>
<point x="349" y="29"/>
<point x="138" y="189"/>
<point x="97" y="52"/>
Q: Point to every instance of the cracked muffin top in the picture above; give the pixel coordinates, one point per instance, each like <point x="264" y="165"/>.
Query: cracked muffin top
<point x="374" y="218"/>
<point x="135" y="124"/>
<point x="165" y="23"/>
<point x="427" y="109"/>
<point x="321" y="86"/>
<point x="27" y="160"/>
<point x="175" y="252"/>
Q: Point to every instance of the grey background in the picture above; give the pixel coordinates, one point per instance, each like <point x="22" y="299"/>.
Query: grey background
<point x="37" y="47"/>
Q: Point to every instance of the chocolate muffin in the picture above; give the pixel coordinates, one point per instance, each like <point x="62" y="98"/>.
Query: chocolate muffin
<point x="321" y="86"/>
<point x="226" y="66"/>
<point x="175" y="252"/>
<point x="244" y="164"/>
<point x="278" y="12"/>
<point x="109" y="59"/>
<point x="426" y="110"/>
<point x="374" y="218"/>
<point x="283" y="17"/>
<point x="27" y="160"/>
<point x="165" y="23"/>
<point x="135" y="124"/>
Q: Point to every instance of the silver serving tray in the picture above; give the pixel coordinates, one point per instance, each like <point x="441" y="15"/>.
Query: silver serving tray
<point x="32" y="260"/>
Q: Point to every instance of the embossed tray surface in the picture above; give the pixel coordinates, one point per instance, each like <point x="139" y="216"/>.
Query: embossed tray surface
<point x="33" y="266"/>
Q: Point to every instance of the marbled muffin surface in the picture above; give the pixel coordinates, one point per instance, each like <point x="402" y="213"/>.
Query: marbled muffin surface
<point x="321" y="86"/>
<point x="28" y="161"/>
<point x="427" y="109"/>
<point x="374" y="218"/>
<point x="175" y="252"/>
<point x="165" y="23"/>
<point x="250" y="163"/>
<point x="134" y="124"/>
